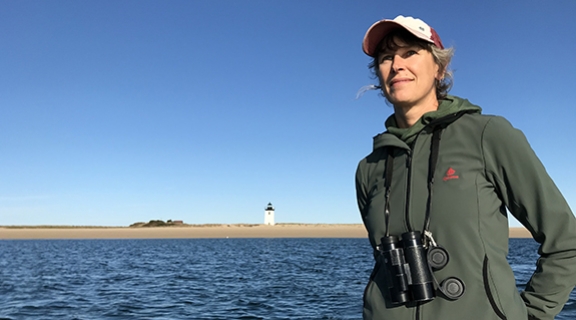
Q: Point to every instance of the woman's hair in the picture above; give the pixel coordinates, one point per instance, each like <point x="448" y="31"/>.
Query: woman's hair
<point x="442" y="58"/>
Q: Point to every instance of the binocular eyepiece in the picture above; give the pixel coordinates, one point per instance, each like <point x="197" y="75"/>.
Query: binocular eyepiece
<point x="409" y="269"/>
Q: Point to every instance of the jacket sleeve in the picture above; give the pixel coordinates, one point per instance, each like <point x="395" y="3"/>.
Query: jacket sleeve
<point x="532" y="197"/>
<point x="362" y="198"/>
<point x="361" y="193"/>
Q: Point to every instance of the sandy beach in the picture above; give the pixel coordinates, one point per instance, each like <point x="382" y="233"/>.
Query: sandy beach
<point x="201" y="231"/>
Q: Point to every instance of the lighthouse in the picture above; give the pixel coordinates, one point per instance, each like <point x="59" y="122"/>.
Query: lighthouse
<point x="269" y="215"/>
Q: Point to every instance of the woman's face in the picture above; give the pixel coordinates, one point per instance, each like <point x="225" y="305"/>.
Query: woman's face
<point x="408" y="74"/>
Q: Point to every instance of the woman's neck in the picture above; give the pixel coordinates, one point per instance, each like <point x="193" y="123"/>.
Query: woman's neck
<point x="407" y="116"/>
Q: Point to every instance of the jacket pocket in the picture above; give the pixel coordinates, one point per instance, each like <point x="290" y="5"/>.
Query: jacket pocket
<point x="486" y="277"/>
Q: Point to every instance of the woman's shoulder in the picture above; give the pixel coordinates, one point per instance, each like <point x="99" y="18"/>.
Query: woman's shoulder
<point x="486" y="121"/>
<point x="473" y="113"/>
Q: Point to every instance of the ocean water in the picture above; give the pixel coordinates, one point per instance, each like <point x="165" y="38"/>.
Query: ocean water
<point x="198" y="278"/>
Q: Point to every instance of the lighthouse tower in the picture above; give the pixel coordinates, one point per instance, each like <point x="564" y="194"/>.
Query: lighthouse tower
<point x="269" y="215"/>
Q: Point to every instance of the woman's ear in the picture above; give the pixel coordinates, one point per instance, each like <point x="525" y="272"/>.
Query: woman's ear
<point x="440" y="75"/>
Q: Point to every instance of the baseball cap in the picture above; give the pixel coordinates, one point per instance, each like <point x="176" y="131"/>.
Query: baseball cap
<point x="382" y="28"/>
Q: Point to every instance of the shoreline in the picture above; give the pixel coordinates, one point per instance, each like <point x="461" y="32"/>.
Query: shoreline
<point x="199" y="232"/>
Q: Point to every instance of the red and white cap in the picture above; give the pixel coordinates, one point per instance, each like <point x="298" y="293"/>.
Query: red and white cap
<point x="380" y="29"/>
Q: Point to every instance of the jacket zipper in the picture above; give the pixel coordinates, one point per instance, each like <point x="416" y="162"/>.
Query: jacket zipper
<point x="408" y="224"/>
<point x="408" y="189"/>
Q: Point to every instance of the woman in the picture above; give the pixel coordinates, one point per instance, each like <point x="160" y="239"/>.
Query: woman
<point x="435" y="191"/>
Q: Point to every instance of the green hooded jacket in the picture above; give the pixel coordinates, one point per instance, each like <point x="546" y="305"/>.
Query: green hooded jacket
<point x="485" y="168"/>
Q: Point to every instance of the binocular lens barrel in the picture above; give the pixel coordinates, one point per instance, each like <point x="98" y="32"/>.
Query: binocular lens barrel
<point x="422" y="286"/>
<point x="396" y="270"/>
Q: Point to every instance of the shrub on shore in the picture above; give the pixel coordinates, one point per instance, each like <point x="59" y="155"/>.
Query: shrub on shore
<point x="154" y="223"/>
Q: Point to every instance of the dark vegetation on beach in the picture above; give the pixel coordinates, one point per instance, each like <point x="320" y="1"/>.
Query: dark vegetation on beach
<point x="158" y="223"/>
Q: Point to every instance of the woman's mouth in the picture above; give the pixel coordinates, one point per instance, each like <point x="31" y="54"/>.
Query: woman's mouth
<point x="395" y="82"/>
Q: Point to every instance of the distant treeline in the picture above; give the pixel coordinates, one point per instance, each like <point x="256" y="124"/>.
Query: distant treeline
<point x="158" y="223"/>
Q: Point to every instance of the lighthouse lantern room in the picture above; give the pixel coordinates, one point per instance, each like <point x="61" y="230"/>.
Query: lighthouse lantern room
<point x="269" y="215"/>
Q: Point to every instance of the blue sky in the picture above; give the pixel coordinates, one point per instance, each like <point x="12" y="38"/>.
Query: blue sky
<point x="113" y="112"/>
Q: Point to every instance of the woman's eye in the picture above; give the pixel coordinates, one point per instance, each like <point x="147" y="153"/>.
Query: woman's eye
<point x="386" y="57"/>
<point x="410" y="53"/>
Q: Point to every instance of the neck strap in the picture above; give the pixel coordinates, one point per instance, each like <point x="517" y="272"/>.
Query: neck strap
<point x="432" y="162"/>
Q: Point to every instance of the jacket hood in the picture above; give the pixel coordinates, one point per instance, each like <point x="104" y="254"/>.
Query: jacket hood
<point x="403" y="137"/>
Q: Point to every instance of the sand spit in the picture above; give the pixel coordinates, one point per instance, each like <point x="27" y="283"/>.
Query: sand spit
<point x="200" y="231"/>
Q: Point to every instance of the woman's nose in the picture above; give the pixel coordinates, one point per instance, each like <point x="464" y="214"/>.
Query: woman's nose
<point x="397" y="64"/>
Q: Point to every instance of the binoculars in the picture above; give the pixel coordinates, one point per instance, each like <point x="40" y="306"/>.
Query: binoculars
<point x="409" y="269"/>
